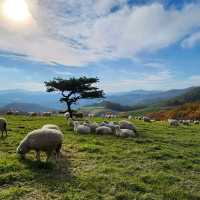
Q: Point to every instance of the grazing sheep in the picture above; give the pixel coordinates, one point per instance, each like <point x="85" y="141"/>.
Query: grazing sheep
<point x="70" y="122"/>
<point x="173" y="122"/>
<point x="146" y="119"/>
<point x="46" y="114"/>
<point x="67" y="115"/>
<point x="3" y="126"/>
<point x="140" y="118"/>
<point x="186" y="122"/>
<point x="103" y="130"/>
<point x="47" y="140"/>
<point x="127" y="125"/>
<point x="112" y="126"/>
<point x="32" y="114"/>
<point x="129" y="117"/>
<point x="104" y="123"/>
<point x="196" y="122"/>
<point x="51" y="126"/>
<point x="82" y="129"/>
<point x="124" y="132"/>
<point x="92" y="126"/>
<point x="91" y="115"/>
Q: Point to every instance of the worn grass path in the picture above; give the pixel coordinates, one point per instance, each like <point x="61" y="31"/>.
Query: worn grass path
<point x="163" y="163"/>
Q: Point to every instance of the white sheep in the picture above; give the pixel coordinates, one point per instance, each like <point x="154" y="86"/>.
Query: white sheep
<point x="66" y="115"/>
<point x="196" y="122"/>
<point x="186" y="122"/>
<point x="46" y="114"/>
<point x="32" y="114"/>
<point x="92" y="126"/>
<point x="104" y="130"/>
<point x="112" y="126"/>
<point x="82" y="129"/>
<point x="3" y="126"/>
<point x="146" y="119"/>
<point x="91" y="115"/>
<point x="70" y="122"/>
<point x="51" y="126"/>
<point x="104" y="123"/>
<point x="124" y="132"/>
<point x="47" y="140"/>
<point x="173" y="122"/>
<point x="127" y="125"/>
<point x="129" y="117"/>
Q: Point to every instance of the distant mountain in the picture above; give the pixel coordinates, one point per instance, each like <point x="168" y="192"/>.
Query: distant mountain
<point x="23" y="96"/>
<point x="45" y="99"/>
<point x="51" y="100"/>
<point x="144" y="97"/>
<point x="24" y="107"/>
<point x="192" y="95"/>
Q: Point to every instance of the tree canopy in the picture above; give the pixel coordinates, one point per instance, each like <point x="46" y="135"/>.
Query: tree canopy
<point x="74" y="89"/>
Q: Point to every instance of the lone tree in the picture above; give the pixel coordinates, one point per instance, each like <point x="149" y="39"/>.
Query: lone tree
<point x="74" y="89"/>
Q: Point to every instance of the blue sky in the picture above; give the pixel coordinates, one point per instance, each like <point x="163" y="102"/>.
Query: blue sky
<point x="128" y="44"/>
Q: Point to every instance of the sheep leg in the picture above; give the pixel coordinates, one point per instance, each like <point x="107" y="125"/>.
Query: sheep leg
<point x="5" y="129"/>
<point x="38" y="155"/>
<point x="58" y="151"/>
<point x="48" y="154"/>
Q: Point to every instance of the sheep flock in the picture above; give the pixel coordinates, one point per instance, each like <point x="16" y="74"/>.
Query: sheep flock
<point x="49" y="138"/>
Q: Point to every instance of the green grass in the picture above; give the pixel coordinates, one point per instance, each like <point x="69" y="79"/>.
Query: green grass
<point x="163" y="163"/>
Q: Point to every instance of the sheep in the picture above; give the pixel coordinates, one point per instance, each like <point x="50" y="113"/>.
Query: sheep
<point x="46" y="114"/>
<point x="91" y="115"/>
<point x="127" y="125"/>
<point x="104" y="123"/>
<point x="92" y="126"/>
<point x="186" y="122"/>
<point x="51" y="126"/>
<point x="70" y="122"/>
<point x="124" y="132"/>
<point x="82" y="129"/>
<point x="67" y="115"/>
<point x="146" y="119"/>
<point x="111" y="125"/>
<point x="47" y="140"/>
<point x="196" y="122"/>
<point x="129" y="117"/>
<point x="173" y="122"/>
<point x="3" y="126"/>
<point x="32" y="114"/>
<point x="104" y="130"/>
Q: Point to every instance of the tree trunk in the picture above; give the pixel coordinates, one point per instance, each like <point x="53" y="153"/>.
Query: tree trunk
<point x="69" y="110"/>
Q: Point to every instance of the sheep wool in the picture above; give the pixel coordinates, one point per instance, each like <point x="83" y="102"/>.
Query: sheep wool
<point x="47" y="140"/>
<point x="103" y="130"/>
<point x="51" y="126"/>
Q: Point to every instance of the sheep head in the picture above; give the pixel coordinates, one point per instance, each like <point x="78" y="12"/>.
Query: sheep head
<point x="23" y="148"/>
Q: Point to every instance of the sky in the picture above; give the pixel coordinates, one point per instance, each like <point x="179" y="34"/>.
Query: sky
<point x="127" y="44"/>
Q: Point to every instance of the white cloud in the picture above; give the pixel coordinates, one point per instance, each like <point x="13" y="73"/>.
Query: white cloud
<point x="79" y="32"/>
<point x="191" y="41"/>
<point x="160" y="80"/>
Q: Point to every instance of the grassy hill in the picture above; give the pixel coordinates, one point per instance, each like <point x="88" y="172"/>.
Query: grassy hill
<point x="185" y="111"/>
<point x="163" y="163"/>
<point x="186" y="106"/>
<point x="191" y="96"/>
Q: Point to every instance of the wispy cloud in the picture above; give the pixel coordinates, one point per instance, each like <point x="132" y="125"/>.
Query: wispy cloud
<point x="80" y="32"/>
<point x="191" y="41"/>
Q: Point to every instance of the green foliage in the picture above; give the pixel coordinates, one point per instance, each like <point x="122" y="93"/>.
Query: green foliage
<point x="162" y="163"/>
<point x="74" y="89"/>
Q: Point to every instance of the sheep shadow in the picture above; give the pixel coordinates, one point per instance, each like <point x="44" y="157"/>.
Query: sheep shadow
<point x="50" y="173"/>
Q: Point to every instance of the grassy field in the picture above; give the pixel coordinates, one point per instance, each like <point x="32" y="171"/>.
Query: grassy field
<point x="163" y="163"/>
